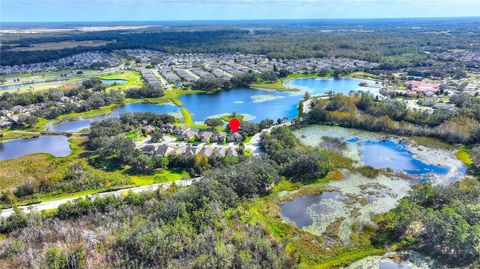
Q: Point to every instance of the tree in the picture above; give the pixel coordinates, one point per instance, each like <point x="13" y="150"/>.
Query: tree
<point x="213" y="122"/>
<point x="307" y="95"/>
<point x="266" y="123"/>
<point x="307" y="167"/>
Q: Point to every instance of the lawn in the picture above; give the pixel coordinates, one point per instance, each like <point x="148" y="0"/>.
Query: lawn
<point x="187" y="117"/>
<point x="164" y="176"/>
<point x="15" y="134"/>
<point x="361" y="75"/>
<point x="89" y="114"/>
<point x="133" y="78"/>
<point x="311" y="75"/>
<point x="276" y="86"/>
<point x="431" y="142"/>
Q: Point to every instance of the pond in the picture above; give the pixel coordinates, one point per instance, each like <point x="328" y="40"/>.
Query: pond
<point x="397" y="260"/>
<point x="113" y="81"/>
<point x="18" y="86"/>
<point x="296" y="210"/>
<point x="255" y="104"/>
<point x="56" y="145"/>
<point x="392" y="265"/>
<point x="422" y="163"/>
<point x="82" y="123"/>
<point x="396" y="156"/>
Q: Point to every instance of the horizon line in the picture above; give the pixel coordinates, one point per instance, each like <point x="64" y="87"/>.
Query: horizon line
<point x="236" y="20"/>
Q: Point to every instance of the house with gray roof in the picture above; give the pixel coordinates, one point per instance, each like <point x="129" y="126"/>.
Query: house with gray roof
<point x="234" y="137"/>
<point x="219" y="137"/>
<point x="164" y="150"/>
<point x="231" y="152"/>
<point x="205" y="136"/>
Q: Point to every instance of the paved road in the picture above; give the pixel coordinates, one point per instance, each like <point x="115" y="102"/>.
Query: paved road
<point x="254" y="144"/>
<point x="57" y="203"/>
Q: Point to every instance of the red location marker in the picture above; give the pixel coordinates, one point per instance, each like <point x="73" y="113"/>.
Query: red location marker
<point x="234" y="125"/>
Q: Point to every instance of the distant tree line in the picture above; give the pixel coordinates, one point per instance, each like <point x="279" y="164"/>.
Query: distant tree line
<point x="394" y="45"/>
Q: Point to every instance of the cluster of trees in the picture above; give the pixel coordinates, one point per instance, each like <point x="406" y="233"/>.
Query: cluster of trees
<point x="184" y="229"/>
<point x="112" y="147"/>
<point x="146" y="91"/>
<point x="440" y="221"/>
<point x="363" y="111"/>
<point x="296" y="163"/>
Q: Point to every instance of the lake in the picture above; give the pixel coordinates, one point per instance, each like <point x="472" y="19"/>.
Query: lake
<point x="56" y="145"/>
<point x="318" y="86"/>
<point x="255" y="104"/>
<point x="82" y="123"/>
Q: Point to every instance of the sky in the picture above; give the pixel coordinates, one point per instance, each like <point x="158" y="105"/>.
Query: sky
<point x="165" y="10"/>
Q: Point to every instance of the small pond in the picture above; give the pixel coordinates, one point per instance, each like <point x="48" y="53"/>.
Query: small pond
<point x="392" y="265"/>
<point x="296" y="210"/>
<point x="18" y="86"/>
<point x="113" y="81"/>
<point x="396" y="156"/>
<point x="56" y="145"/>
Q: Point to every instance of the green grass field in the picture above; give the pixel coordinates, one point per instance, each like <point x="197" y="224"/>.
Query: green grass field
<point x="133" y="78"/>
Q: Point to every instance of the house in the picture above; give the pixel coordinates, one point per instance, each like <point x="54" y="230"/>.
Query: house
<point x="148" y="129"/>
<point x="448" y="107"/>
<point x="190" y="134"/>
<point x="192" y="150"/>
<point x="207" y="151"/>
<point x="220" y="152"/>
<point x="205" y="136"/>
<point x="164" y="150"/>
<point x="148" y="148"/>
<point x="231" y="152"/>
<point x="181" y="149"/>
<point x="422" y="86"/>
<point x="166" y="128"/>
<point x="5" y="124"/>
<point x="234" y="137"/>
<point x="181" y="130"/>
<point x="219" y="137"/>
